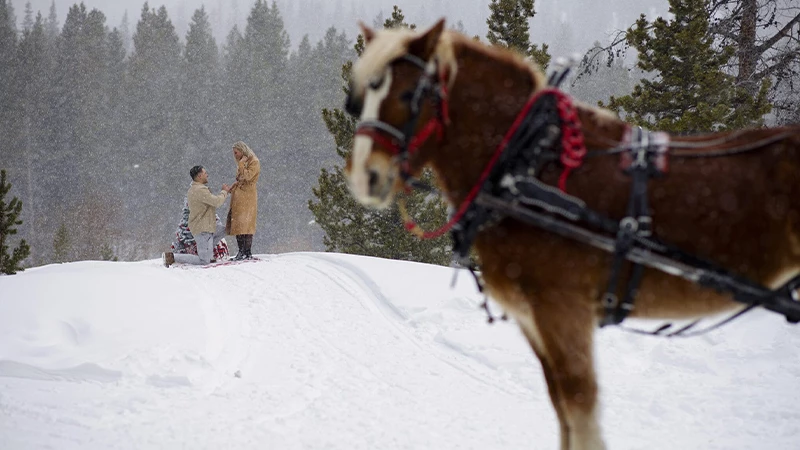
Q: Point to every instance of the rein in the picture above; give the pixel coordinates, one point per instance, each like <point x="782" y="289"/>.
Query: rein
<point x="679" y="149"/>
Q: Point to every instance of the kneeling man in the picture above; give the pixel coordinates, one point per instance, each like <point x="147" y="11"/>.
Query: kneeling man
<point x="202" y="219"/>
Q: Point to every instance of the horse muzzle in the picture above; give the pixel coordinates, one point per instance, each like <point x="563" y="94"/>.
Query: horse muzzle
<point x="352" y="105"/>
<point x="373" y="183"/>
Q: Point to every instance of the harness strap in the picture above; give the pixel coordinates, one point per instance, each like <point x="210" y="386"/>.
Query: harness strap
<point x="684" y="331"/>
<point x="643" y="165"/>
<point x="377" y="125"/>
<point x="783" y="300"/>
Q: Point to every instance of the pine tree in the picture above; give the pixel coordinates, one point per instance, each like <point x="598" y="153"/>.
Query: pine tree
<point x="154" y="109"/>
<point x="201" y="55"/>
<point x="9" y="219"/>
<point x="398" y="20"/>
<point x="81" y="111"/>
<point x="125" y="32"/>
<point x="352" y="228"/>
<point x="234" y="81"/>
<point x="200" y="87"/>
<point x="691" y="92"/>
<point x="154" y="78"/>
<point x="27" y="20"/>
<point x="314" y="78"/>
<point x="9" y="123"/>
<point x="260" y="74"/>
<point x="107" y="253"/>
<point x="116" y="68"/>
<point x="62" y="244"/>
<point x="508" y="27"/>
<point x="34" y="92"/>
<point x="51" y="26"/>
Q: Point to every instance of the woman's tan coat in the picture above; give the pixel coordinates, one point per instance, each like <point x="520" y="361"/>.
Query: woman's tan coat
<point x="244" y="198"/>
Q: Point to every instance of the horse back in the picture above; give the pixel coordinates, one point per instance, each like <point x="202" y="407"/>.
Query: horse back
<point x="740" y="211"/>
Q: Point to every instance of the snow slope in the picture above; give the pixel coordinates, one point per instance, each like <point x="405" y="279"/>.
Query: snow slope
<point x="327" y="351"/>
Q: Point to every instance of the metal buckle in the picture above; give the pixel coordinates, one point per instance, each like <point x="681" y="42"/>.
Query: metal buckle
<point x="610" y="300"/>
<point x="629" y="224"/>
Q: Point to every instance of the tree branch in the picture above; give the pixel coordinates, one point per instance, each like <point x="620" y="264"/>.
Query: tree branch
<point x="784" y="61"/>
<point x="784" y="32"/>
<point x="588" y="60"/>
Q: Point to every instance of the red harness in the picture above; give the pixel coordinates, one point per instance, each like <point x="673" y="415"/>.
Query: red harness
<point x="572" y="155"/>
<point x="389" y="137"/>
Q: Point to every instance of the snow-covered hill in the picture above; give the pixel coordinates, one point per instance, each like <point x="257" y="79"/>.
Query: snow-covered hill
<point x="325" y="351"/>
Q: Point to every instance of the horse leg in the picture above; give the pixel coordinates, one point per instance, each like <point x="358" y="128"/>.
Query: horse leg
<point x="551" y="387"/>
<point x="561" y="332"/>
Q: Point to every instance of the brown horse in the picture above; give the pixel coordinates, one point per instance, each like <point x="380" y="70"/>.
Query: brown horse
<point x="741" y="210"/>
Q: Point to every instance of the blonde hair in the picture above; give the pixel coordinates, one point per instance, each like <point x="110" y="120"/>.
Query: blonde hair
<point x="242" y="147"/>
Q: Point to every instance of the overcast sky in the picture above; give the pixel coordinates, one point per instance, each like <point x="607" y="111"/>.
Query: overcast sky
<point x="575" y="23"/>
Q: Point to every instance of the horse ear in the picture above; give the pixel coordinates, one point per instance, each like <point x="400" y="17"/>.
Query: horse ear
<point x="425" y="45"/>
<point x="368" y="32"/>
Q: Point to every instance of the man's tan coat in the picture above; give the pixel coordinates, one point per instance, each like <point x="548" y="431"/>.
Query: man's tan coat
<point x="202" y="208"/>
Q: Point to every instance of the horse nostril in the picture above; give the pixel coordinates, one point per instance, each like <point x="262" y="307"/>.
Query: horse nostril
<point x="373" y="180"/>
<point x="352" y="106"/>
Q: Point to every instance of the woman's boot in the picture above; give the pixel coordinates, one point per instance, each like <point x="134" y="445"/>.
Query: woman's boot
<point x="248" y="245"/>
<point x="240" y="242"/>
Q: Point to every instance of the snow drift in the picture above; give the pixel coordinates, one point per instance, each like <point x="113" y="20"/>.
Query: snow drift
<point x="327" y="351"/>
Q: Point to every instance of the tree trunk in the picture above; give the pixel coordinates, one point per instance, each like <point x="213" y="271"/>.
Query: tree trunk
<point x="747" y="46"/>
<point x="29" y="207"/>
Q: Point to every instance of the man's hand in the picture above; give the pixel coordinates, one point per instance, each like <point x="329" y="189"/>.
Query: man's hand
<point x="226" y="188"/>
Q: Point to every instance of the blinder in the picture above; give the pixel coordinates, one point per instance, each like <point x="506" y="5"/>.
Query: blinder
<point x="402" y="142"/>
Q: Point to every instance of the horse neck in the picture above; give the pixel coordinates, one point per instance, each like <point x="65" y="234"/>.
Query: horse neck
<point x="488" y="93"/>
<point x="485" y="98"/>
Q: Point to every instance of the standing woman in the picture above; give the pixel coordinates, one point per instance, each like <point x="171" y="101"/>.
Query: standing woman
<point x="244" y="200"/>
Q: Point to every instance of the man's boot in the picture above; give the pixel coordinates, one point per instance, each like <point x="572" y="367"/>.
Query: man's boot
<point x="168" y="258"/>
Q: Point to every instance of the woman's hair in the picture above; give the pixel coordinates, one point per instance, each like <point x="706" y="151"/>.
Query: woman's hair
<point x="242" y="147"/>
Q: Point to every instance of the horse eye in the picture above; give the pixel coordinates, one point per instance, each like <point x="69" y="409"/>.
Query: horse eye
<point x="406" y="96"/>
<point x="376" y="83"/>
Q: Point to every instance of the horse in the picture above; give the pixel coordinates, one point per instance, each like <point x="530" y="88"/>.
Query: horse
<point x="440" y="100"/>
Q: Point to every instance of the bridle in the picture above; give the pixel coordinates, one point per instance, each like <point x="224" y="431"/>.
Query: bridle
<point x="403" y="143"/>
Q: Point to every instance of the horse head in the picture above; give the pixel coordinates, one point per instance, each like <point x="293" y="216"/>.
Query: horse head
<point x="397" y="93"/>
<point x="404" y="87"/>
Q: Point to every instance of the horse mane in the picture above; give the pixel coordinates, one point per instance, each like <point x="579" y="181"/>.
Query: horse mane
<point x="385" y="46"/>
<point x="390" y="44"/>
<point x="602" y="117"/>
<point x="458" y="41"/>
